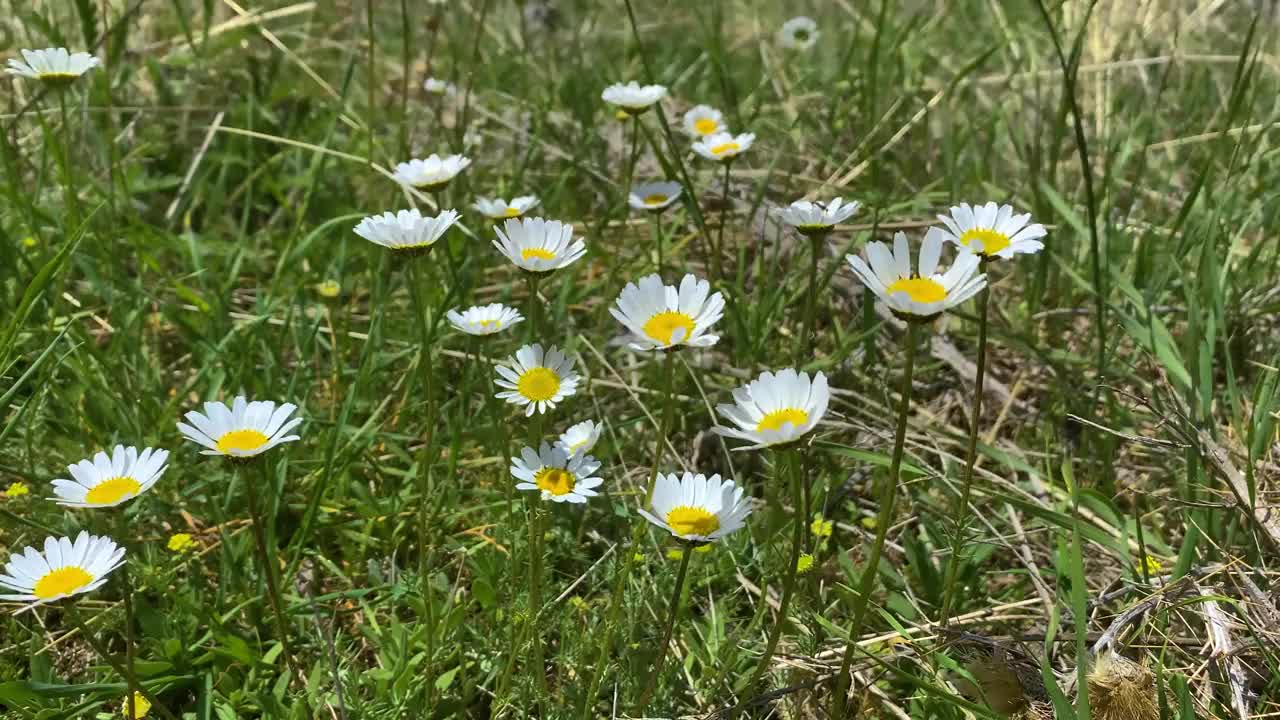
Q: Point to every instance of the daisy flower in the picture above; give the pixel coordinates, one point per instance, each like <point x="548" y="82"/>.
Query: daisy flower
<point x="924" y="292"/>
<point x="798" y="33"/>
<point x="723" y="146"/>
<point x="560" y="477"/>
<point x="497" y="208"/>
<point x="632" y="97"/>
<point x="64" y="569"/>
<point x="581" y="438"/>
<point x="484" y="319"/>
<point x="436" y="86"/>
<point x="52" y="65"/>
<point x="660" y="316"/>
<point x="815" y="217"/>
<point x="536" y="379"/>
<point x="990" y="230"/>
<point x="703" y="120"/>
<point x="109" y="480"/>
<point x="539" y="245"/>
<point x="654" y="196"/>
<point x="431" y="174"/>
<point x="775" y="409"/>
<point x="243" y="430"/>
<point x="696" y="507"/>
<point x="407" y="231"/>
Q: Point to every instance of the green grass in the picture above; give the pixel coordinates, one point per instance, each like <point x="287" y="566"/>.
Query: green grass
<point x="216" y="169"/>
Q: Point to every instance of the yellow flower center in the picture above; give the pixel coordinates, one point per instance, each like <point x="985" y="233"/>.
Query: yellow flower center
<point x="539" y="253"/>
<point x="723" y="148"/>
<point x="705" y="126"/>
<point x="512" y="212"/>
<point x="62" y="581"/>
<point x="776" y="419"/>
<point x="992" y="241"/>
<point x="181" y="542"/>
<point x="486" y="324"/>
<point x="241" y="441"/>
<point x="662" y="327"/>
<point x="109" y="492"/>
<point x="687" y="520"/>
<point x="655" y="199"/>
<point x="921" y="290"/>
<point x="58" y="77"/>
<point x="538" y="384"/>
<point x="554" y="481"/>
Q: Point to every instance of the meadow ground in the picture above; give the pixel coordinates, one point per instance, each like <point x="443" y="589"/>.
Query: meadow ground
<point x="177" y="228"/>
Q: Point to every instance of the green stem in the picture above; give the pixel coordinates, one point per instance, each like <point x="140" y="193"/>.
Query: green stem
<point x="724" y="210"/>
<point x="534" y="307"/>
<point x="111" y="660"/>
<point x="888" y="494"/>
<point x="264" y="558"/>
<point x="421" y="312"/>
<point x="72" y="198"/>
<point x="789" y="583"/>
<point x="122" y="528"/>
<point x="657" y="238"/>
<point x="665" y="644"/>
<point x="1079" y="593"/>
<point x="668" y="414"/>
<point x="971" y="456"/>
<point x="535" y="595"/>
<point x="804" y="348"/>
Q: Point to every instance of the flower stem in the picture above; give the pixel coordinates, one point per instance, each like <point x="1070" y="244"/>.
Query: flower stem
<point x="724" y="211"/>
<point x="534" y="307"/>
<point x="264" y="559"/>
<point x="888" y="494"/>
<point x="789" y="583"/>
<point x="804" y="348"/>
<point x="421" y="312"/>
<point x="535" y="595"/>
<point x="122" y="531"/>
<point x="668" y="413"/>
<point x="70" y="195"/>
<point x="966" y="488"/>
<point x="119" y="669"/>
<point x="657" y="238"/>
<point x="672" y="612"/>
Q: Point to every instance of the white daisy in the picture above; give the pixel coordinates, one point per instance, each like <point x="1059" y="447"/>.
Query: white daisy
<point x="560" y="477"/>
<point x="436" y="86"/>
<point x="632" y="97"/>
<point x="798" y="33"/>
<point x="64" y="569"/>
<point x="406" y="230"/>
<point x="243" y="430"/>
<point x="497" y="208"/>
<point x="581" y="438"/>
<point x="775" y="409"/>
<point x="816" y="217"/>
<point x="53" y="65"/>
<point x="109" y="480"/>
<point x="654" y="196"/>
<point x="484" y="319"/>
<point x="660" y="316"/>
<point x="431" y="174"/>
<point x="536" y="379"/>
<point x="697" y="507"/>
<point x="723" y="146"/>
<point x="924" y="292"/>
<point x="703" y="120"/>
<point x="990" y="230"/>
<point x="539" y="245"/>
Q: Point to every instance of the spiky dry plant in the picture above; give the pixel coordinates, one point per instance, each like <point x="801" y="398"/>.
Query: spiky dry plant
<point x="1121" y="689"/>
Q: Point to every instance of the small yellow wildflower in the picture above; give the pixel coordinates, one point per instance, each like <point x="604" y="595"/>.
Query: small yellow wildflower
<point x="637" y="557"/>
<point x="140" y="706"/>
<point x="17" y="489"/>
<point x="578" y="603"/>
<point x="675" y="554"/>
<point x="329" y="289"/>
<point x="1153" y="564"/>
<point x="181" y="543"/>
<point x="820" y="527"/>
<point x="804" y="564"/>
<point x="869" y="522"/>
<point x="28" y="242"/>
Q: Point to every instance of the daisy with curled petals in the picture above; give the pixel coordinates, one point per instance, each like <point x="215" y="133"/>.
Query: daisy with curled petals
<point x="407" y="231"/>
<point x="484" y="319"/>
<point x="431" y="174"/>
<point x="703" y="120"/>
<point x="560" y="476"/>
<point x="581" y="438"/>
<point x="798" y="33"/>
<point x="922" y="293"/>
<point x="538" y="245"/>
<point x="660" y="317"/>
<point x="243" y="430"/>
<point x="723" y="147"/>
<point x="698" y="508"/>
<point x="990" y="231"/>
<point x="57" y="66"/>
<point x="109" y="480"/>
<point x="633" y="97"/>
<point x="536" y="379"/>
<point x="497" y="208"/>
<point x="775" y="409"/>
<point x="654" y="196"/>
<point x="816" y="217"/>
<point x="65" y="568"/>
